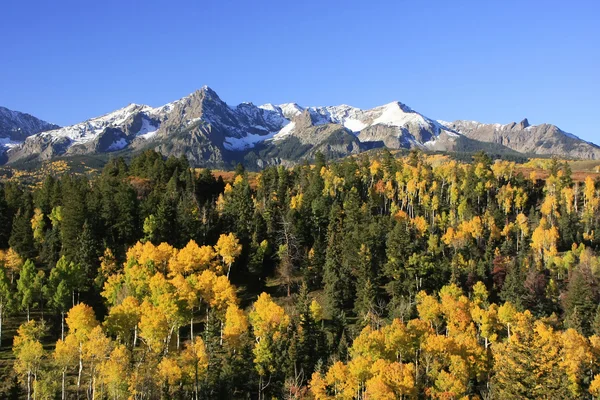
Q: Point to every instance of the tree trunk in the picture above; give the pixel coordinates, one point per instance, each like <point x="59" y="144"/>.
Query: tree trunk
<point x="221" y="335"/>
<point x="62" y="325"/>
<point x="1" y="314"/>
<point x="62" y="397"/>
<point x="28" y="385"/>
<point x="79" y="372"/>
<point x="27" y="312"/>
<point x="192" y="329"/>
<point x="196" y="382"/>
<point x="259" y="387"/>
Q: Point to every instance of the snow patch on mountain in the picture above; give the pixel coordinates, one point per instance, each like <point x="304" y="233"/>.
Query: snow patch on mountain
<point x="117" y="145"/>
<point x="148" y="130"/>
<point x="89" y="130"/>
<point x="8" y="143"/>
<point x="394" y="114"/>
<point x="285" y="131"/>
<point x="246" y="142"/>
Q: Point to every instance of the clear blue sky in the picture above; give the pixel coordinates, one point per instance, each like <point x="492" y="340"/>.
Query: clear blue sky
<point x="493" y="61"/>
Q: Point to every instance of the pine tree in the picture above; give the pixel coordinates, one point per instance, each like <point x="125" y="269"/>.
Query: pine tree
<point x="5" y="220"/>
<point x="6" y="298"/>
<point x="338" y="285"/>
<point x="580" y="301"/>
<point x="310" y="338"/>
<point x="21" y="238"/>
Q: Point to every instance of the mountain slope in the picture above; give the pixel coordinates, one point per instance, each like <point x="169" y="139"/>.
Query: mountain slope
<point x="542" y="139"/>
<point x="16" y="126"/>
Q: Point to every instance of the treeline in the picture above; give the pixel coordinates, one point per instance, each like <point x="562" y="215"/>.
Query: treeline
<point x="368" y="278"/>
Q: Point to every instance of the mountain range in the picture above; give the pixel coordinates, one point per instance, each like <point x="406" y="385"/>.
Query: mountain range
<point x="209" y="132"/>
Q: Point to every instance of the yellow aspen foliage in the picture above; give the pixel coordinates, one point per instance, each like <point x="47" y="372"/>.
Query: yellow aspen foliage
<point x="223" y="294"/>
<point x="398" y="377"/>
<point x="159" y="286"/>
<point x="236" y="324"/>
<point x="399" y="340"/>
<point x="296" y="201"/>
<point x="523" y="224"/>
<point x="374" y="167"/>
<point x="29" y="352"/>
<point x="149" y="254"/>
<point x="81" y="320"/>
<point x="185" y="290"/>
<point x="480" y="294"/>
<point x="316" y="311"/>
<point x="229" y="248"/>
<point x="169" y="371"/>
<point x="192" y="258"/>
<point x="508" y="228"/>
<point x="549" y="207"/>
<point x="400" y="216"/>
<point x="359" y="368"/>
<point x="220" y="203"/>
<point x="576" y="357"/>
<point x="568" y="195"/>
<point x="123" y="319"/>
<point x="595" y="386"/>
<point x="544" y="239"/>
<point x="37" y="225"/>
<point x="94" y="351"/>
<point x="154" y="327"/>
<point x="340" y="381"/>
<point x="267" y="317"/>
<point x="194" y="359"/>
<point x="112" y="290"/>
<point x="507" y="314"/>
<point x="11" y="260"/>
<point x="108" y="264"/>
<point x="204" y="284"/>
<point x="420" y="225"/>
<point x="136" y="280"/>
<point x="66" y="356"/>
<point x="451" y="384"/>
<point x="377" y="389"/>
<point x="370" y="344"/>
<point x="429" y="309"/>
<point x="318" y="387"/>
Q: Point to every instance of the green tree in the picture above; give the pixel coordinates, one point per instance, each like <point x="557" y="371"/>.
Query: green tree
<point x="6" y="298"/>
<point x="26" y="286"/>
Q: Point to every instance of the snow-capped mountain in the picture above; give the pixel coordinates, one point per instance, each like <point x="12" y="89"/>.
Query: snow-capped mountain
<point x="208" y="131"/>
<point x="16" y="126"/>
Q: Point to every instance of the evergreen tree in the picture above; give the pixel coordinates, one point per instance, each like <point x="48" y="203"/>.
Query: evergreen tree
<point x="6" y="298"/>
<point x="21" y="238"/>
<point x="337" y="280"/>
<point x="5" y="220"/>
<point x="580" y="301"/>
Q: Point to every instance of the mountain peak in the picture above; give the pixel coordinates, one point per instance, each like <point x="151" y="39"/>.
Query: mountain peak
<point x="207" y="90"/>
<point x="523" y="124"/>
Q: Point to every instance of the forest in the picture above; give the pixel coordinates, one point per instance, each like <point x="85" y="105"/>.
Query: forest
<point x="377" y="276"/>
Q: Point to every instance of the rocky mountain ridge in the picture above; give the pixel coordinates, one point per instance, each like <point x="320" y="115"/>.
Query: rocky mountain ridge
<point x="210" y="132"/>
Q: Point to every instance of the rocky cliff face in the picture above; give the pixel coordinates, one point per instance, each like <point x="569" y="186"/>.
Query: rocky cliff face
<point x="544" y="139"/>
<point x="16" y="126"/>
<point x="209" y="132"/>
